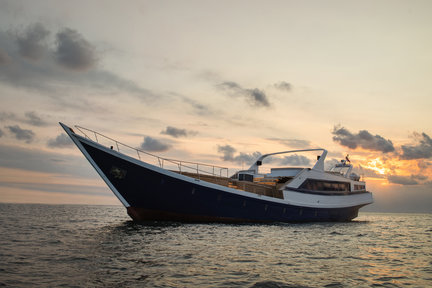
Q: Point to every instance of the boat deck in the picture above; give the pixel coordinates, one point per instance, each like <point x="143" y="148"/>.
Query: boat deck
<point x="259" y="189"/>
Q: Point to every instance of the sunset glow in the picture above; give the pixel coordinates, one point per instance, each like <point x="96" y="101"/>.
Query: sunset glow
<point x="376" y="165"/>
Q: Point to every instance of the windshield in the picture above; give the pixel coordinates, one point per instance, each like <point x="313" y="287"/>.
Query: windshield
<point x="340" y="169"/>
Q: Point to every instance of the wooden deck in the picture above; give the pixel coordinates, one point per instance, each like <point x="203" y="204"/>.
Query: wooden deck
<point x="260" y="189"/>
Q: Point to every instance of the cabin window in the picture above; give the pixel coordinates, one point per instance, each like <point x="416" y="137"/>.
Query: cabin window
<point x="246" y="177"/>
<point x="319" y="185"/>
<point x="359" y="187"/>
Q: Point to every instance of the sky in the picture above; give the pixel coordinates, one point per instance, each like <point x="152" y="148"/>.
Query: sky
<point x="217" y="82"/>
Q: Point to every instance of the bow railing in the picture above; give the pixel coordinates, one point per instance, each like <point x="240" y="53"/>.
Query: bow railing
<point x="165" y="163"/>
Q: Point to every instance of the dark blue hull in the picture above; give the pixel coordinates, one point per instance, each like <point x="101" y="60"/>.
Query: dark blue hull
<point x="152" y="194"/>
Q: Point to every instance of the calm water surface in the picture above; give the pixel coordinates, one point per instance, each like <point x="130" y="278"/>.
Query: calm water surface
<point x="98" y="246"/>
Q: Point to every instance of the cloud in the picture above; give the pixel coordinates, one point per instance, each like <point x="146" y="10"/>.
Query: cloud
<point x="21" y="134"/>
<point x="107" y="81"/>
<point x="177" y="132"/>
<point x="30" y="117"/>
<point x="6" y="116"/>
<point x="284" y="86"/>
<point x="154" y="145"/>
<point x="73" y="51"/>
<point x="1" y="133"/>
<point x="413" y="179"/>
<point x="419" y="177"/>
<point x="33" y="119"/>
<point x="363" y="139"/>
<point x="4" y="57"/>
<point x="61" y="141"/>
<point x="367" y="172"/>
<point x="422" y="164"/>
<point x="42" y="161"/>
<point x="255" y="96"/>
<point x="422" y="150"/>
<point x="242" y="158"/>
<point x="402" y="180"/>
<point x="70" y="63"/>
<point x="296" y="160"/>
<point x="258" y="97"/>
<point x="57" y="188"/>
<point x="295" y="143"/>
<point x="199" y="108"/>
<point x="32" y="45"/>
<point x="227" y="152"/>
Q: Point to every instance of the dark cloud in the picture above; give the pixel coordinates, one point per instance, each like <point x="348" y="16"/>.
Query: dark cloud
<point x="71" y="63"/>
<point x="199" y="108"/>
<point x="33" y="119"/>
<point x="61" y="141"/>
<point x="402" y="180"/>
<point x="295" y="160"/>
<point x="245" y="158"/>
<point x="414" y="179"/>
<point x="295" y="143"/>
<point x="255" y="96"/>
<point x="231" y="85"/>
<point x="21" y="134"/>
<point x="177" y="132"/>
<point x="259" y="98"/>
<point x="30" y="117"/>
<point x="1" y="133"/>
<point x="32" y="44"/>
<point x="6" y="116"/>
<point x="423" y="164"/>
<point x="73" y="51"/>
<point x="228" y="151"/>
<point x="47" y="162"/>
<point x="422" y="150"/>
<point x="419" y="177"/>
<point x="154" y="145"/>
<point x="363" y="139"/>
<point x="284" y="86"/>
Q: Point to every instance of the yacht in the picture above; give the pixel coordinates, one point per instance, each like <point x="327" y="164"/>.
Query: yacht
<point x="154" y="188"/>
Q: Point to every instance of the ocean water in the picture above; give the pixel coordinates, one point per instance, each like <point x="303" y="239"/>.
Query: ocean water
<point x="98" y="246"/>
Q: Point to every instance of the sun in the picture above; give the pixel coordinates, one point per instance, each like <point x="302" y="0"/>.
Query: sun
<point x="376" y="165"/>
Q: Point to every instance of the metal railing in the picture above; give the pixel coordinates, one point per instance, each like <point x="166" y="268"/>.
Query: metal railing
<point x="181" y="166"/>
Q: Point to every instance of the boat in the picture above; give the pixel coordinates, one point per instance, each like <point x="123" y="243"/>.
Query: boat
<point x="163" y="189"/>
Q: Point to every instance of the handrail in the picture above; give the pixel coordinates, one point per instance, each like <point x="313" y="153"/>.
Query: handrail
<point x="180" y="164"/>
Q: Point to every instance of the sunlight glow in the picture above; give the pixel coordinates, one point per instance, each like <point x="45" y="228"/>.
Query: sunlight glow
<point x="376" y="165"/>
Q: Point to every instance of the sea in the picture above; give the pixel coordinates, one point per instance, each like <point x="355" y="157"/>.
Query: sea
<point x="99" y="246"/>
